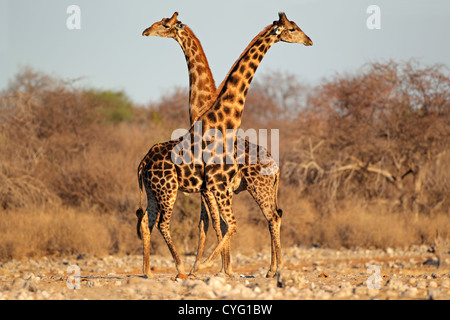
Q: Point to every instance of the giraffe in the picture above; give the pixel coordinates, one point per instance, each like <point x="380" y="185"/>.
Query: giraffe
<point x="202" y="89"/>
<point x="162" y="177"/>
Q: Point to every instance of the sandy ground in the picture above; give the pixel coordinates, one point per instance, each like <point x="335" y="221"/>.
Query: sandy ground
<point x="309" y="273"/>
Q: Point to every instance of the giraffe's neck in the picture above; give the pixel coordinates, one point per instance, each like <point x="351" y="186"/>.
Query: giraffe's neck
<point x="202" y="88"/>
<point x="226" y="111"/>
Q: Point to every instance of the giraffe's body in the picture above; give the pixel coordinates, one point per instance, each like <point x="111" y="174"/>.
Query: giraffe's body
<point x="162" y="177"/>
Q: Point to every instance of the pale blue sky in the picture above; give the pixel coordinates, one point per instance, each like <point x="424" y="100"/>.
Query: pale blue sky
<point x="110" y="53"/>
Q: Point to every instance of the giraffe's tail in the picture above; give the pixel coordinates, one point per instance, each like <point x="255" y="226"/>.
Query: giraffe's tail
<point x="140" y="211"/>
<point x="276" y="185"/>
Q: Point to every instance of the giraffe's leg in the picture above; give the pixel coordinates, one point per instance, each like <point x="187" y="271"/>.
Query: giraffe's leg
<point x="265" y="198"/>
<point x="274" y="227"/>
<point x="226" y="251"/>
<point x="220" y="227"/>
<point x="149" y="219"/>
<point x="223" y="199"/>
<point x="166" y="206"/>
<point x="203" y="230"/>
<point x="209" y="207"/>
<point x="145" y="231"/>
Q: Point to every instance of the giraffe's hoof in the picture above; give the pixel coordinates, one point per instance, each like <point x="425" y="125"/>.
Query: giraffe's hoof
<point x="194" y="270"/>
<point x="148" y="275"/>
<point x="224" y="274"/>
<point x="193" y="273"/>
<point x="220" y="274"/>
<point x="181" y="276"/>
<point x="271" y="274"/>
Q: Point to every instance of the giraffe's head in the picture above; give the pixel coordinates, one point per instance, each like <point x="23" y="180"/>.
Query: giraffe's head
<point x="166" y="28"/>
<point x="288" y="31"/>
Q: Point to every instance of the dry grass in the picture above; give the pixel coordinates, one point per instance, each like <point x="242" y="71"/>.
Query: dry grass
<point x="65" y="231"/>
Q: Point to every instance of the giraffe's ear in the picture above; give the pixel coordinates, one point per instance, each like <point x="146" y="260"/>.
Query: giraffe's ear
<point x="180" y="25"/>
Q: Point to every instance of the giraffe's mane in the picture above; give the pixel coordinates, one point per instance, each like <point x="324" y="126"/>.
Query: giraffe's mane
<point x="219" y="90"/>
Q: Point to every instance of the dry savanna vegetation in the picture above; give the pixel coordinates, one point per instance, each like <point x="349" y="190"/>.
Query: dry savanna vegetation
<point x="364" y="160"/>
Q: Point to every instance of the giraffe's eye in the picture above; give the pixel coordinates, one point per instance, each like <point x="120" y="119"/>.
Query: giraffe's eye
<point x="165" y="26"/>
<point x="292" y="29"/>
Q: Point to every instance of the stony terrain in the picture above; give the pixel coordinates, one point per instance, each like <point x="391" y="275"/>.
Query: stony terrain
<point x="308" y="273"/>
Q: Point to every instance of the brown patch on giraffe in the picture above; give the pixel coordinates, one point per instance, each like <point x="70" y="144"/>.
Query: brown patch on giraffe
<point x="253" y="65"/>
<point x="186" y="171"/>
<point x="154" y="180"/>
<point x="230" y="124"/>
<point x="201" y="96"/>
<point x="167" y="166"/>
<point x="194" y="181"/>
<point x="233" y="80"/>
<point x="201" y="69"/>
<point x="184" y="34"/>
<point x="212" y="117"/>
<point x="157" y="157"/>
<point x="201" y="86"/>
<point x="230" y="98"/>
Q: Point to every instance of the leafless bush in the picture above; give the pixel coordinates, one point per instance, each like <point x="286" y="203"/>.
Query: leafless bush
<point x="173" y="108"/>
<point x="376" y="135"/>
<point x="58" y="148"/>
<point x="274" y="99"/>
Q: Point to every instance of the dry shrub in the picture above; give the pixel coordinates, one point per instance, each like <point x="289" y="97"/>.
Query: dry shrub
<point x="59" y="153"/>
<point x="58" y="147"/>
<point x="432" y="185"/>
<point x="173" y="109"/>
<point x="374" y="135"/>
<point x="274" y="99"/>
